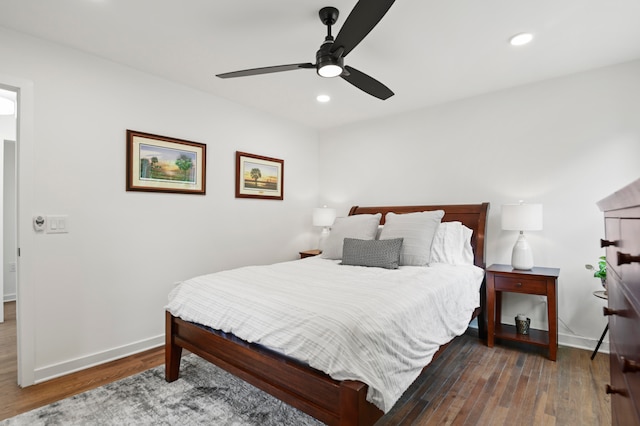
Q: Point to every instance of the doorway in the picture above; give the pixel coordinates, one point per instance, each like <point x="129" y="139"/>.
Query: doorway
<point x="8" y="223"/>
<point x="8" y="186"/>
<point x="23" y="125"/>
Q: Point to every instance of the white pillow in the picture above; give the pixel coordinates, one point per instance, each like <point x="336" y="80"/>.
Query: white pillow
<point x="359" y="226"/>
<point x="452" y="244"/>
<point x="417" y="231"/>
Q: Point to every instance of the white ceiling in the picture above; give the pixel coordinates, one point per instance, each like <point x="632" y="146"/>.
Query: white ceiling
<point x="427" y="51"/>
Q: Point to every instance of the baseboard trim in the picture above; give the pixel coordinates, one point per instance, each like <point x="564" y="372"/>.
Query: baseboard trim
<point x="11" y="297"/>
<point x="61" y="369"/>
<point x="585" y="343"/>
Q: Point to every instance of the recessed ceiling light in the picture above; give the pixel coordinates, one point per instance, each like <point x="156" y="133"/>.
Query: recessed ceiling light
<point x="323" y="98"/>
<point x="521" y="39"/>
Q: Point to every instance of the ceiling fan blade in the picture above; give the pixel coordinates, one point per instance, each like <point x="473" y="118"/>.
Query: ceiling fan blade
<point x="367" y="84"/>
<point x="264" y="70"/>
<point x="362" y="19"/>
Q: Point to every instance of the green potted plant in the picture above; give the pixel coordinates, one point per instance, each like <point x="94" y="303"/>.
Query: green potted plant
<point x="601" y="272"/>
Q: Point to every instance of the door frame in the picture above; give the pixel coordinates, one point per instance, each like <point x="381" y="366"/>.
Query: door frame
<point x="25" y="303"/>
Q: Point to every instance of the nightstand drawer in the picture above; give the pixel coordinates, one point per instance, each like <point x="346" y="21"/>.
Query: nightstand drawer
<point x="520" y="285"/>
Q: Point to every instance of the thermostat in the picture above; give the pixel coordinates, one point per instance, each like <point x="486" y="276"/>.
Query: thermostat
<point x="39" y="223"/>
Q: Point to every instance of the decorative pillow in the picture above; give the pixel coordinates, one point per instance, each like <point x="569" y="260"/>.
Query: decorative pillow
<point x="360" y="226"/>
<point x="417" y="230"/>
<point x="376" y="253"/>
<point x="452" y="244"/>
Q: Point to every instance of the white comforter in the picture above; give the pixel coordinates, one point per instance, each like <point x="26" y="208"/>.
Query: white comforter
<point x="374" y="325"/>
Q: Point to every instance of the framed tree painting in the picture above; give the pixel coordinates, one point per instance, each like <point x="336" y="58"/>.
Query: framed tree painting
<point x="162" y="164"/>
<point x="259" y="177"/>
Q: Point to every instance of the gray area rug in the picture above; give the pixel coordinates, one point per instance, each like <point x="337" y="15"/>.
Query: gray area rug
<point x="203" y="395"/>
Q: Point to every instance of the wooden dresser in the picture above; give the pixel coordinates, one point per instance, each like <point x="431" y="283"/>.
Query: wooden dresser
<point x="622" y="242"/>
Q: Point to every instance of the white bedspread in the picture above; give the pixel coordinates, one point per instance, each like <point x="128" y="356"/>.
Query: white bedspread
<point x="374" y="325"/>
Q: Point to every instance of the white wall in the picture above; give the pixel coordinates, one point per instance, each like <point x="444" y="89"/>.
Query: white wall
<point x="565" y="143"/>
<point x="99" y="290"/>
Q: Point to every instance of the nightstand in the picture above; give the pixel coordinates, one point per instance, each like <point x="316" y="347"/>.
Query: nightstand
<point x="539" y="281"/>
<point x="309" y="253"/>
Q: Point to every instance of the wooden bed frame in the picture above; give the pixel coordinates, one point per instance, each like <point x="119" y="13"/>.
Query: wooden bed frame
<point x="314" y="392"/>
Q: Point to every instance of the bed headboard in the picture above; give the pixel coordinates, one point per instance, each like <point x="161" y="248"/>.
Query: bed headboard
<point x="473" y="216"/>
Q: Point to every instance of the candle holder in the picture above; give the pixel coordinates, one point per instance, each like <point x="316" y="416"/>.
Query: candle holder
<point x="522" y="324"/>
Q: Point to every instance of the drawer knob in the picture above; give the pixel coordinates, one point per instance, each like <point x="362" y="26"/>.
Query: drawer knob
<point x="607" y="243"/>
<point x="625" y="258"/>
<point x="608" y="311"/>
<point x="518" y="284"/>
<point x="629" y="366"/>
<point x="609" y="390"/>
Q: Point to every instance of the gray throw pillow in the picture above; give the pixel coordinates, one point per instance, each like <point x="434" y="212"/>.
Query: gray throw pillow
<point x="376" y="253"/>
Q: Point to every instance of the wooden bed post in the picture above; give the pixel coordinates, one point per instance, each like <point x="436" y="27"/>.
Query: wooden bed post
<point x="172" y="352"/>
<point x="349" y="403"/>
<point x="354" y="408"/>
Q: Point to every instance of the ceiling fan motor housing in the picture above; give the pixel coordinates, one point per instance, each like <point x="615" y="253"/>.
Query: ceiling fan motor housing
<point x="324" y="58"/>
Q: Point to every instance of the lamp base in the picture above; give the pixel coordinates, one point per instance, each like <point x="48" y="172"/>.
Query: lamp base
<point x="323" y="237"/>
<point x="522" y="256"/>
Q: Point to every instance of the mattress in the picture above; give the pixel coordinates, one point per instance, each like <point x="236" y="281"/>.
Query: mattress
<point x="374" y="325"/>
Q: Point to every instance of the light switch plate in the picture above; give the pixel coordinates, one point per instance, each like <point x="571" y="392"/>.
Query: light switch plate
<point x="57" y="224"/>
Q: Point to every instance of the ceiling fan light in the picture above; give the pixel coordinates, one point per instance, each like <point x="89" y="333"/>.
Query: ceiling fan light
<point x="327" y="64"/>
<point x="330" y="70"/>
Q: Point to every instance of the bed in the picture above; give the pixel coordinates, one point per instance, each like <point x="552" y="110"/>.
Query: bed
<point x="334" y="402"/>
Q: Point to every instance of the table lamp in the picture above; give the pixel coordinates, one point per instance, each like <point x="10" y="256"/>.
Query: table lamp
<point x="323" y="216"/>
<point x="522" y="217"/>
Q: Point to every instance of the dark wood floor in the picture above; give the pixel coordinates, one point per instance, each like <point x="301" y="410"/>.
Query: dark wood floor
<point x="470" y="384"/>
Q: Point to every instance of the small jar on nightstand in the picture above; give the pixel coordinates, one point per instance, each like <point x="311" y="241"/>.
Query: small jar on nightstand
<point x="309" y="253"/>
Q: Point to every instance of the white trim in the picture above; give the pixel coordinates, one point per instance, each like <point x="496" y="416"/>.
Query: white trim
<point x="10" y="297"/>
<point x="569" y="340"/>
<point x="63" y="368"/>
<point x="585" y="343"/>
<point x="25" y="315"/>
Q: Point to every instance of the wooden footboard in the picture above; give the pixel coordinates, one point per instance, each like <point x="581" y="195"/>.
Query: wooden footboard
<point x="330" y="401"/>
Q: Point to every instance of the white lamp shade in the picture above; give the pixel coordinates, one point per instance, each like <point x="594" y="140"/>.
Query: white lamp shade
<point x="323" y="216"/>
<point x="522" y="217"/>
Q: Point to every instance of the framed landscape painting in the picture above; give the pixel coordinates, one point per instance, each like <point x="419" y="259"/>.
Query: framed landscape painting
<point x="162" y="164"/>
<point x="259" y="177"/>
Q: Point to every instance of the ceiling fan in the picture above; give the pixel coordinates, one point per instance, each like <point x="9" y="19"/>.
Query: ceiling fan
<point x="330" y="57"/>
